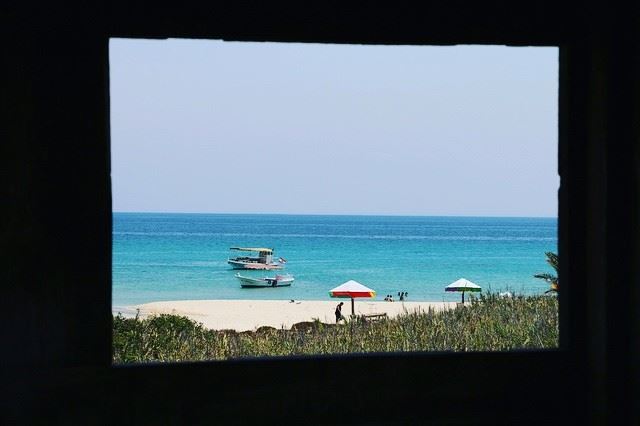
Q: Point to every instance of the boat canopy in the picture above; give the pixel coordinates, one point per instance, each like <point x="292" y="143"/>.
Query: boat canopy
<point x="256" y="249"/>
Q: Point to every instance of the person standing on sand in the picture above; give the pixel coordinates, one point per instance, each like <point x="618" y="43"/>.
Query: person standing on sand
<point x="339" y="315"/>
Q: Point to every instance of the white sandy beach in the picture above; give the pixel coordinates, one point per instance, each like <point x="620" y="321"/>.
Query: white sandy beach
<point x="243" y="315"/>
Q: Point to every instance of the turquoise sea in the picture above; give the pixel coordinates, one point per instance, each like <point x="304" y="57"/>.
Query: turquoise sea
<point x="160" y="256"/>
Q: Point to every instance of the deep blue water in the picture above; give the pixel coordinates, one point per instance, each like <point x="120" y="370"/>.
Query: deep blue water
<point x="183" y="256"/>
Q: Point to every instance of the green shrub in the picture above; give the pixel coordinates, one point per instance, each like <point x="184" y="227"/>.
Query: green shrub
<point x="488" y="323"/>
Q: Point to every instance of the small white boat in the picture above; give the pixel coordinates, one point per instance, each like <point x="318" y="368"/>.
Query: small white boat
<point x="264" y="260"/>
<point x="277" y="281"/>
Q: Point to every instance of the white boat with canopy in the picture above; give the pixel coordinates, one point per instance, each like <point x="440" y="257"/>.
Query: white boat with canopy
<point x="264" y="260"/>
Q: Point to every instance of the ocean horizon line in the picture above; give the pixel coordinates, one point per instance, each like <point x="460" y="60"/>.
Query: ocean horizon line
<point x="335" y="214"/>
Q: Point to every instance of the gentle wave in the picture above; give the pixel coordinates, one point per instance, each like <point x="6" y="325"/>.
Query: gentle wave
<point x="360" y="237"/>
<point x="122" y="264"/>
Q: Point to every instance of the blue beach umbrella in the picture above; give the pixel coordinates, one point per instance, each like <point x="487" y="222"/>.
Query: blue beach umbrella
<point x="463" y="285"/>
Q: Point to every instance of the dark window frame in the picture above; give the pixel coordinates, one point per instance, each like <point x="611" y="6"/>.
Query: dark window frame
<point x="59" y="203"/>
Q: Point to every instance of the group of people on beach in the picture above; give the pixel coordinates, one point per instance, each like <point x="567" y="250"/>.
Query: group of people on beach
<point x="401" y="295"/>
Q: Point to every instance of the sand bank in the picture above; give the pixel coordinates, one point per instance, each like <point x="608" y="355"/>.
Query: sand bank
<point x="241" y="315"/>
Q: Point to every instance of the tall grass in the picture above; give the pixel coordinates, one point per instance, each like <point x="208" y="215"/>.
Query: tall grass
<point x="488" y="323"/>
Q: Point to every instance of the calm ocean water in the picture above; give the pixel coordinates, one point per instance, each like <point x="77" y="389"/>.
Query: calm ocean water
<point x="183" y="256"/>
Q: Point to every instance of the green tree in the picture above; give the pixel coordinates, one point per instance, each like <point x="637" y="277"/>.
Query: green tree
<point x="552" y="259"/>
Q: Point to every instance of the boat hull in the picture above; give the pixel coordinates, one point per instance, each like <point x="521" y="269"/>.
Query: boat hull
<point x="238" y="264"/>
<point x="247" y="282"/>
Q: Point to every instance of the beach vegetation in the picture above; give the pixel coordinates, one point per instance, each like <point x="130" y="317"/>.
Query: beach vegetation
<point x="488" y="323"/>
<point x="552" y="279"/>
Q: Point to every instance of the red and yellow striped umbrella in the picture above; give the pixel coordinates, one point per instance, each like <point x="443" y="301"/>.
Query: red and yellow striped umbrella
<point x="352" y="289"/>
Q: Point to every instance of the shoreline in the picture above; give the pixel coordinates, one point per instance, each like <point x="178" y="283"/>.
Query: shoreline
<point x="248" y="315"/>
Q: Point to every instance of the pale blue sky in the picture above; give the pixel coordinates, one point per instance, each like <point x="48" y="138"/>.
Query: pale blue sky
<point x="234" y="127"/>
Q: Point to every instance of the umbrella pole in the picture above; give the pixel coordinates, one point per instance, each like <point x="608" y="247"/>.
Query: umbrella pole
<point x="353" y="311"/>
<point x="462" y="296"/>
